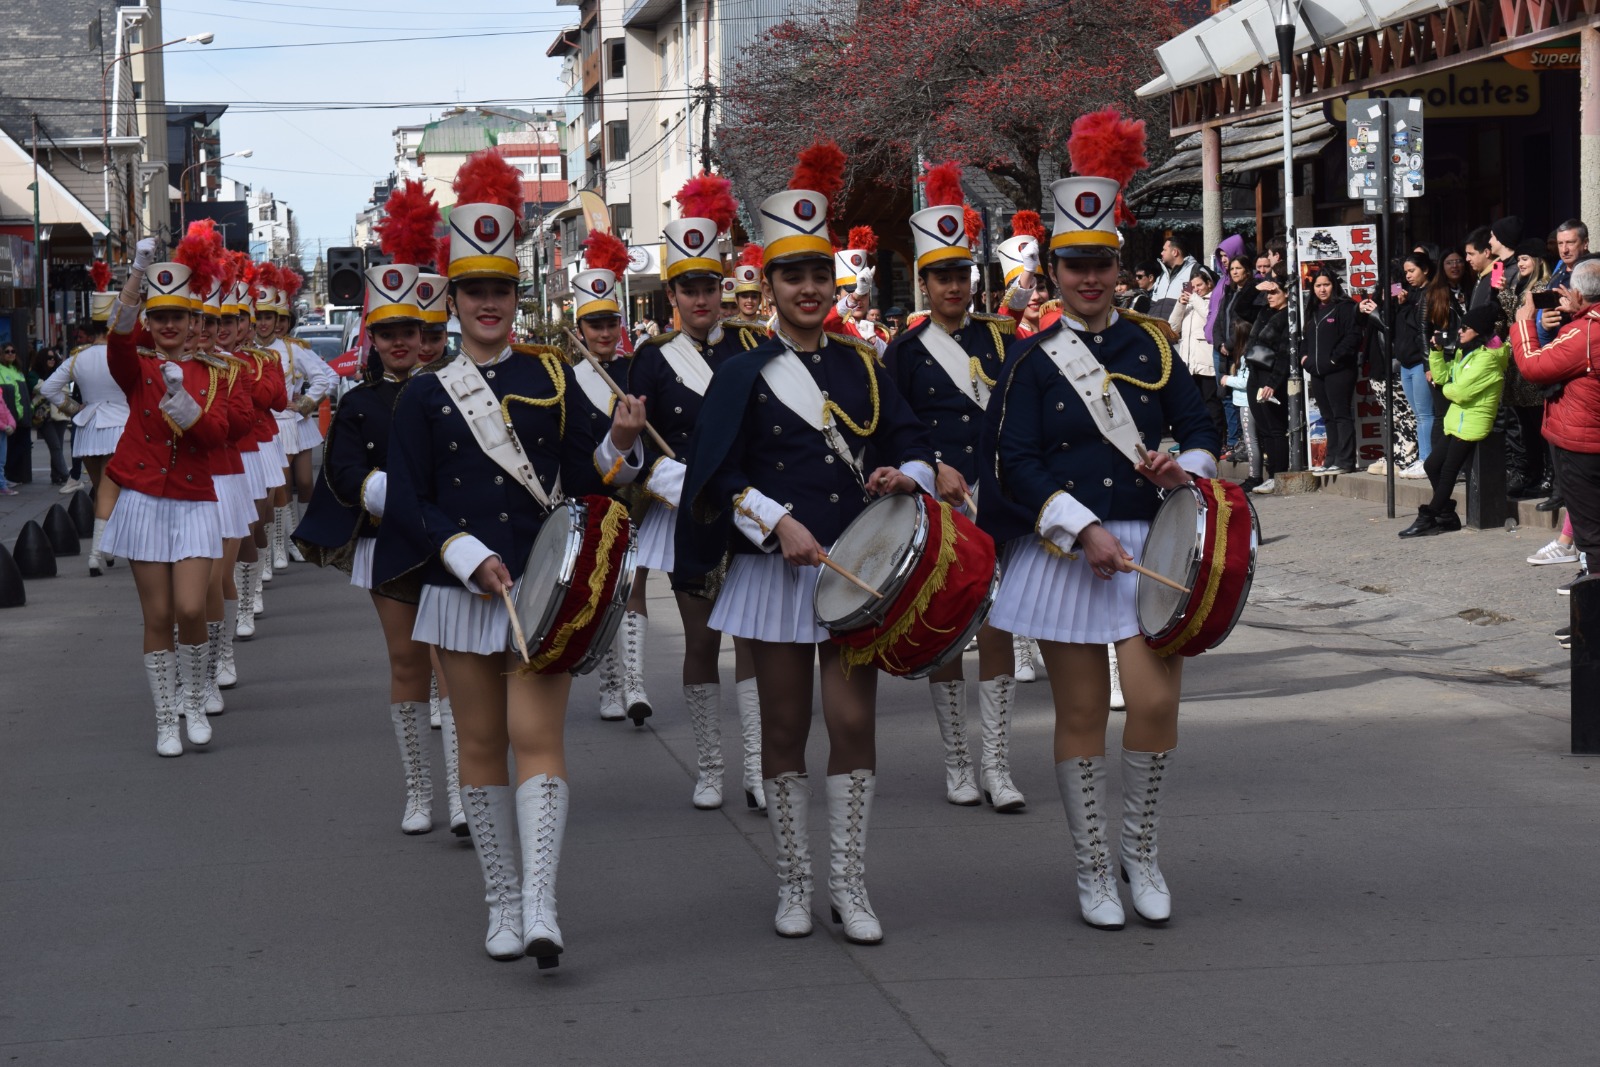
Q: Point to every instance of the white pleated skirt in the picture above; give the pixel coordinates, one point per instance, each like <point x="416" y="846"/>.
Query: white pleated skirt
<point x="255" y="476"/>
<point x="1051" y="598"/>
<point x="236" y="508"/>
<point x="288" y="434"/>
<point x="308" y="432"/>
<point x="655" y="537"/>
<point x="153" y="529"/>
<point x="95" y="440"/>
<point x="451" y="617"/>
<point x="766" y="599"/>
<point x="361" y="565"/>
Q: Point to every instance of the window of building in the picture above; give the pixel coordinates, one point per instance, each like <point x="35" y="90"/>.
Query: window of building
<point x="591" y="109"/>
<point x="621" y="217"/>
<point x="616" y="57"/>
<point x="617" y="148"/>
<point x="666" y="149"/>
<point x="138" y="90"/>
<point x="133" y="37"/>
<point x="661" y="60"/>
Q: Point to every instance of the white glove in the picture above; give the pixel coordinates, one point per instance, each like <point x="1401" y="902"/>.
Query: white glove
<point x="977" y="276"/>
<point x="172" y="374"/>
<point x="305" y="405"/>
<point x="144" y="254"/>
<point x="375" y="493"/>
<point x="180" y="407"/>
<point x="1030" y="257"/>
<point x="864" y="282"/>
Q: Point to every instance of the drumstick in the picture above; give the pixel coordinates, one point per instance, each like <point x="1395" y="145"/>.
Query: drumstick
<point x="972" y="505"/>
<point x="1150" y="574"/>
<point x="847" y="576"/>
<point x="516" y="624"/>
<point x="600" y="369"/>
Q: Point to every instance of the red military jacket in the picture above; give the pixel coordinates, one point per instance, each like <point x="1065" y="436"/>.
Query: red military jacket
<point x="155" y="456"/>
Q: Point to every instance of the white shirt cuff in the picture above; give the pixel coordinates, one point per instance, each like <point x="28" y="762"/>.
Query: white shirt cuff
<point x="1017" y="297"/>
<point x="124" y="317"/>
<point x="921" y="473"/>
<point x="182" y="409"/>
<point x="606" y="457"/>
<point x="1062" y="519"/>
<point x="1198" y="463"/>
<point x="665" y="481"/>
<point x="757" y="515"/>
<point x="375" y="492"/>
<point x="464" y="554"/>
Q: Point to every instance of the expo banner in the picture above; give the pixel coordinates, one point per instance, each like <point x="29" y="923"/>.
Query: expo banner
<point x="1351" y="254"/>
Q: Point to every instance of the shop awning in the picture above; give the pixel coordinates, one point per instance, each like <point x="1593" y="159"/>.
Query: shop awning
<point x="1254" y="144"/>
<point x="57" y="206"/>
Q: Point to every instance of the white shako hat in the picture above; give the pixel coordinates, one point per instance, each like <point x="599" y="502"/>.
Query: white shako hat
<point x="847" y="264"/>
<point x="392" y="294"/>
<point x="691" y="248"/>
<point x="214" y="299"/>
<point x="167" y="286"/>
<point x="431" y="292"/>
<point x="1085" y="223"/>
<point x="746" y="278"/>
<point x="794" y="224"/>
<point x="1011" y="250"/>
<point x="730" y="294"/>
<point x="940" y="236"/>
<point x="100" y="306"/>
<point x="595" y="293"/>
<point x="483" y="240"/>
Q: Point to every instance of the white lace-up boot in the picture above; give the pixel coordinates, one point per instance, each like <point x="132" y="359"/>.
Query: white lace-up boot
<point x="1117" y="701"/>
<point x="705" y="716"/>
<point x="994" y="708"/>
<point x="610" y="674"/>
<point x="244" y="577"/>
<point x="280" y="538"/>
<point x="418" y="817"/>
<point x="297" y="511"/>
<point x="214" y="704"/>
<point x="750" y="726"/>
<point x="1022" y="653"/>
<point x="227" y="669"/>
<point x="633" y="694"/>
<point x="491" y="819"/>
<point x="192" y="693"/>
<point x="950" y="708"/>
<point x="541" y="823"/>
<point x="1142" y="773"/>
<point x="161" y="671"/>
<point x="1083" y="794"/>
<point x="452" y="766"/>
<point x="788" y="797"/>
<point x="849" y="812"/>
<point x="97" y="562"/>
<point x="434" y="721"/>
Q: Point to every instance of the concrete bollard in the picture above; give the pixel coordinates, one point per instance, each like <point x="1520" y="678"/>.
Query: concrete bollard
<point x="1586" y="667"/>
<point x="1487" y="505"/>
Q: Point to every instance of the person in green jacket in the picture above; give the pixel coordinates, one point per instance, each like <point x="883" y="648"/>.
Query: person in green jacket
<point x="1472" y="382"/>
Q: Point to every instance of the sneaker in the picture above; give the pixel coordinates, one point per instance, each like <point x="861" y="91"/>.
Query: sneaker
<point x="1566" y="590"/>
<point x="8" y="491"/>
<point x="1249" y="484"/>
<point x="1265" y="488"/>
<point x="1319" y="469"/>
<point x="1554" y="552"/>
<point x="71" y="485"/>
<point x="1564" y="637"/>
<point x="1380" y="467"/>
<point x="1414" y="471"/>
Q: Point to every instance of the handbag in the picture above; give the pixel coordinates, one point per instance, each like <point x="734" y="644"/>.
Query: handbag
<point x="1261" y="356"/>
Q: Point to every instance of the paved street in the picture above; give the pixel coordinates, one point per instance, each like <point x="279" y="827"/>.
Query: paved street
<point x="1378" y="852"/>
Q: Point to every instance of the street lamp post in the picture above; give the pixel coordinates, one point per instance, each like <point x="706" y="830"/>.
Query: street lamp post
<point x="105" y="102"/>
<point x="1287" y="14"/>
<point x="183" y="216"/>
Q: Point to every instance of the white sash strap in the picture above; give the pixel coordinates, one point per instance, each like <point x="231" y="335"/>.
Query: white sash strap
<point x="687" y="363"/>
<point x="796" y="390"/>
<point x="478" y="405"/>
<point x="1088" y="377"/>
<point x="598" y="392"/>
<point x="956" y="362"/>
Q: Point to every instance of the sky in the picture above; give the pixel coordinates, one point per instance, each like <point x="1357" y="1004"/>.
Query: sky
<point x="323" y="160"/>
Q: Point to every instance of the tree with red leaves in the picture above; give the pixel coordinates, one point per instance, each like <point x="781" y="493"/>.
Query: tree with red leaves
<point x="993" y="84"/>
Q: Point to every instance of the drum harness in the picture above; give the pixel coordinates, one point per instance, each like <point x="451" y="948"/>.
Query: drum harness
<point x="799" y="392"/>
<point x="491" y="427"/>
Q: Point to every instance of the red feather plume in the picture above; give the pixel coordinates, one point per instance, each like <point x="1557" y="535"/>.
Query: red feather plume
<point x="442" y="267"/>
<point x="1027" y="224"/>
<point x="268" y="276"/>
<point x="943" y="185"/>
<point x="202" y="252"/>
<point x="602" y="251"/>
<point x="973" y="220"/>
<point x="228" y="272"/>
<point x="820" y="168"/>
<point x="1106" y="145"/>
<point x="100" y="274"/>
<point x="486" y="178"/>
<point x="408" y="231"/>
<point x="751" y="255"/>
<point x="291" y="281"/>
<point x="709" y="196"/>
<point x="864" y="238"/>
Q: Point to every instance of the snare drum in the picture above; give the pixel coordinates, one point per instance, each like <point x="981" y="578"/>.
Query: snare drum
<point x="1204" y="537"/>
<point x="938" y="577"/>
<point x="574" y="590"/>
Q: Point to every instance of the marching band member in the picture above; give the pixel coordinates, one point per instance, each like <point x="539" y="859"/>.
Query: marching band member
<point x="98" y="422"/>
<point x="1071" y="509"/>
<point x="671" y="372"/>
<point x="432" y="292"/>
<point x="945" y="366"/>
<point x="730" y="300"/>
<point x="316" y="381"/>
<point x="271" y="296"/>
<point x="775" y="477"/>
<point x="264" y="465"/>
<point x="852" y="279"/>
<point x="464" y="525"/>
<point x="747" y="294"/>
<point x="165" y="519"/>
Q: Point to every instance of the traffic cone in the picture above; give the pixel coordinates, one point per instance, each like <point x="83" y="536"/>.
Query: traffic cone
<point x="81" y="508"/>
<point x="34" y="558"/>
<point x="62" y="531"/>
<point x="12" y="593"/>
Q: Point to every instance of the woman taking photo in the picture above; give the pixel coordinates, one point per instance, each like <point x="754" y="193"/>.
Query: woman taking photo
<point x="1189" y="318"/>
<point x="1331" y="350"/>
<point x="1526" y="450"/>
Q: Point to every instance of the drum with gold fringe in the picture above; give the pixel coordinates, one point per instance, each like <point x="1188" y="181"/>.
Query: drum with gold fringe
<point x="574" y="590"/>
<point x="1205" y="538"/>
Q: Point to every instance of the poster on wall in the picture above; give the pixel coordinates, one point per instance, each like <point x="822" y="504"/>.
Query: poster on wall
<point x="1350" y="253"/>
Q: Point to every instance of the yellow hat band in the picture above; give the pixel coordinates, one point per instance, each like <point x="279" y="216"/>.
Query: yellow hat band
<point x="176" y="301"/>
<point x="747" y="287"/>
<point x="939" y="255"/>
<point x="1011" y="275"/>
<point x="436" y="318"/>
<point x="798" y="244"/>
<point x="483" y="267"/>
<point x="697" y="263"/>
<point x="603" y="306"/>
<point x="392" y="312"/>
<point x="1081" y="238"/>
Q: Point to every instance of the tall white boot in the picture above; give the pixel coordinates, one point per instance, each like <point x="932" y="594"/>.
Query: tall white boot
<point x="297" y="512"/>
<point x="492" y="821"/>
<point x="280" y="538"/>
<point x="705" y="716"/>
<point x="994" y="708"/>
<point x="633" y="694"/>
<point x="214" y="704"/>
<point x="418" y="817"/>
<point x="849" y="812"/>
<point x="1022" y="654"/>
<point x="227" y="669"/>
<point x="950" y="707"/>
<point x="244" y="578"/>
<point x="452" y="766"/>
<point x="1142" y="773"/>
<point x="1117" y="701"/>
<point x="192" y="693"/>
<point x="750" y="726"/>
<point x="788" y="797"/>
<point x="1083" y="794"/>
<point x="161" y="671"/>
<point x="97" y="562"/>
<point x="610" y="673"/>
<point x="541" y="823"/>
<point x="264" y="563"/>
<point x="434" y="721"/>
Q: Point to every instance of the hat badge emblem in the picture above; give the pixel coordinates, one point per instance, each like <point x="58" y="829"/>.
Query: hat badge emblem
<point x="805" y="209"/>
<point x="858" y="260"/>
<point x="164" y="278"/>
<point x="486" y="228"/>
<point x="599" y="287"/>
<point x="1087" y="203"/>
<point x="425" y="290"/>
<point x="391" y="279"/>
<point x="694" y="239"/>
<point x="948" y="225"/>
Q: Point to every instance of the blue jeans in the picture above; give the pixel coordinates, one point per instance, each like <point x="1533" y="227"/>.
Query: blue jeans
<point x="1419" y="394"/>
<point x="1229" y="413"/>
<point x="5" y="441"/>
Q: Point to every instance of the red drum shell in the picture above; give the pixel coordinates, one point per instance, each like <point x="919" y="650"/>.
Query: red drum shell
<point x="587" y="617"/>
<point x="1220" y="582"/>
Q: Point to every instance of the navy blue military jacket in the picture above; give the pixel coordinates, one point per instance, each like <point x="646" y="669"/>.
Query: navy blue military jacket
<point x="442" y="486"/>
<point x="357" y="445"/>
<point x="581" y="407"/>
<point x="747" y="438"/>
<point x="672" y="406"/>
<point x="1039" y="440"/>
<point x="952" y="415"/>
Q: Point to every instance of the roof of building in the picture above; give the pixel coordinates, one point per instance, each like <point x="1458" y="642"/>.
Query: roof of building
<point x="1247" y="145"/>
<point x="471" y="130"/>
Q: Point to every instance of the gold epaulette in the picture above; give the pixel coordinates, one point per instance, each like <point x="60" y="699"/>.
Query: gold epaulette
<point x="914" y="318"/>
<point x="1005" y="323"/>
<point x="859" y="345"/>
<point x="80" y="348"/>
<point x="1050" y="305"/>
<point x="1150" y="322"/>
<point x="657" y="338"/>
<point x="539" y="350"/>
<point x="211" y="359"/>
